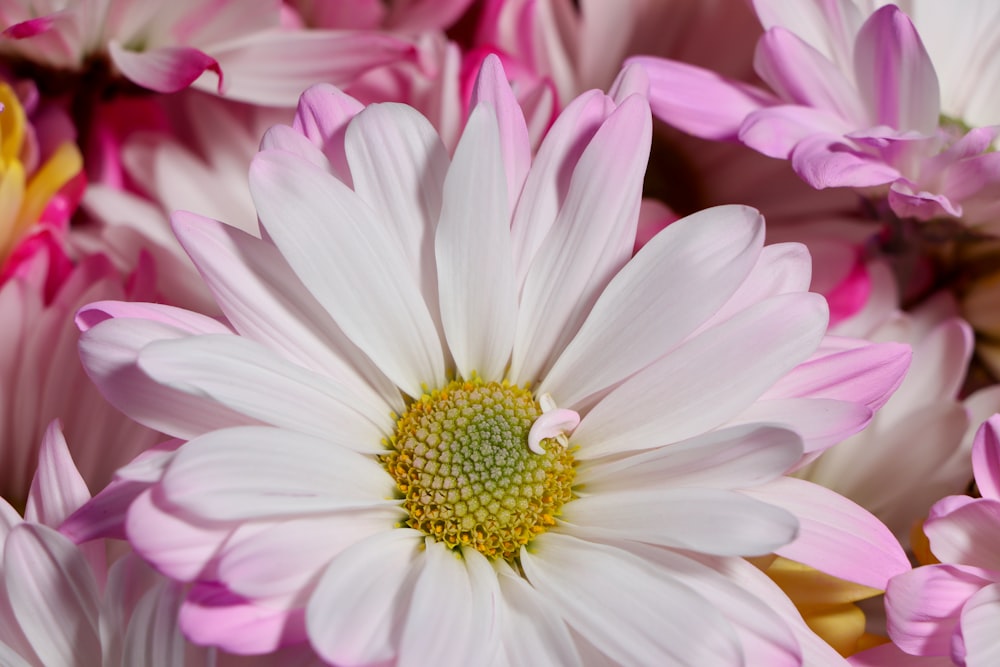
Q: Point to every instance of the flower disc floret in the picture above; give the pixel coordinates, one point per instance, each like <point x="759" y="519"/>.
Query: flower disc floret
<point x="460" y="458"/>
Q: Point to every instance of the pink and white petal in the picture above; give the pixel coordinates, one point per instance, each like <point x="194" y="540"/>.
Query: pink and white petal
<point x="357" y="610"/>
<point x="249" y="473"/>
<point x="800" y="74"/>
<point x="714" y="249"/>
<point x="273" y="67"/>
<point x="969" y="534"/>
<point x="104" y="515"/>
<point x="186" y="321"/>
<point x="656" y="618"/>
<point x="214" y="616"/>
<point x="283" y="559"/>
<point x="763" y="626"/>
<point x="473" y="251"/>
<point x="531" y="627"/>
<point x="172" y="541"/>
<point x="285" y="138"/>
<point x="9" y="657"/>
<point x="828" y="27"/>
<point x="890" y="655"/>
<point x="986" y="458"/>
<point x="978" y="629"/>
<point x="53" y="594"/>
<point x="820" y="422"/>
<point x="699" y="101"/>
<point x="907" y="200"/>
<point x="712" y="377"/>
<point x="493" y="88"/>
<point x="249" y="379"/>
<point x="452" y="617"/>
<point x="153" y="636"/>
<point x="398" y="164"/>
<point x="923" y="606"/>
<point x="109" y="352"/>
<point x="836" y="536"/>
<point x="894" y="74"/>
<point x="590" y="241"/>
<point x="711" y="521"/>
<point x="949" y="504"/>
<point x="57" y="489"/>
<point x="827" y="162"/>
<point x="727" y="458"/>
<point x="866" y="374"/>
<point x="322" y="116"/>
<point x="351" y="264"/>
<point x="166" y="69"/>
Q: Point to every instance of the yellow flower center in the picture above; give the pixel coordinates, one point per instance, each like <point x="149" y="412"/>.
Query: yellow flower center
<point x="460" y="458"/>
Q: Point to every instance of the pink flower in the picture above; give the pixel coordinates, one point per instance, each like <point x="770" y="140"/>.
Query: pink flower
<point x="853" y="101"/>
<point x="450" y="420"/>
<point x="952" y="609"/>
<point x="239" y="48"/>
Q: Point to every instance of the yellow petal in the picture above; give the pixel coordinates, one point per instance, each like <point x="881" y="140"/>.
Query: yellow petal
<point x="12" y="124"/>
<point x="807" y="586"/>
<point x="11" y="198"/>
<point x="64" y="164"/>
<point x="840" y="626"/>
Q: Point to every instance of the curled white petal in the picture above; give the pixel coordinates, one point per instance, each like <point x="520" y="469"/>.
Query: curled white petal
<point x="555" y="423"/>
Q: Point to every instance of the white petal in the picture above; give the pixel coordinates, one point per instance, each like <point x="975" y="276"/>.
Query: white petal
<point x="820" y="422"/>
<point x="249" y="379"/>
<point x="355" y="614"/>
<point x="153" y="636"/>
<point x="264" y="300"/>
<point x="590" y="241"/>
<point x="57" y="490"/>
<point x="351" y="264"/>
<point x="53" y="594"/>
<point x="734" y="457"/>
<point x="712" y="521"/>
<point x="259" y="472"/>
<point x="707" y="380"/>
<point x="533" y="631"/>
<point x="628" y="608"/>
<point x="714" y="249"/>
<point x="472" y="246"/>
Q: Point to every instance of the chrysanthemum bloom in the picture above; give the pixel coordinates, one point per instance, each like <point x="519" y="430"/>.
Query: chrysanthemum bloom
<point x="450" y="421"/>
<point x="952" y="609"/>
<point x="855" y="100"/>
<point x="241" y="48"/>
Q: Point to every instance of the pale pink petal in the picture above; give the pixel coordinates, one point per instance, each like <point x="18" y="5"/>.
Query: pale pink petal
<point x="472" y="248"/>
<point x="493" y="88"/>
<point x="800" y="74"/>
<point x="273" y="67"/>
<point x="829" y="27"/>
<point x="589" y="242"/>
<point x="820" y="422"/>
<point x="104" y="515"/>
<point x="322" y="116"/>
<point x="247" y="378"/>
<point x="969" y="534"/>
<point x="719" y="246"/>
<point x="923" y="606"/>
<point x="54" y="595"/>
<point x="362" y="279"/>
<point x="169" y="539"/>
<point x="282" y="559"/>
<point x="836" y="536"/>
<point x="10" y="658"/>
<point x="908" y="200"/>
<point x="259" y="472"/>
<point x="655" y="615"/>
<point x="826" y="162"/>
<point x="109" y="352"/>
<point x="894" y="73"/>
<point x="712" y="377"/>
<point x="166" y="69"/>
<point x="154" y="636"/>
<point x="183" y="320"/>
<point x="726" y="458"/>
<point x="986" y="458"/>
<point x="358" y="608"/>
<point x="213" y="616"/>
<point x="284" y="138"/>
<point x="978" y="628"/>
<point x="712" y="521"/>
<point x="699" y="101"/>
<point x="453" y="611"/>
<point x="533" y="630"/>
<point x="890" y="655"/>
<point x="777" y="131"/>
<point x="57" y="490"/>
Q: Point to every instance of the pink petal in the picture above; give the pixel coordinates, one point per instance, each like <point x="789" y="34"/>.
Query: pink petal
<point x="825" y="162"/>
<point x="776" y="131"/>
<point x="986" y="458"/>
<point x="980" y="645"/>
<point x="894" y="73"/>
<point x="836" y="535"/>
<point x="166" y="69"/>
<point x="214" y="616"/>
<point x="322" y="116"/>
<point x="968" y="534"/>
<point x="923" y="606"/>
<point x="57" y="490"/>
<point x="699" y="101"/>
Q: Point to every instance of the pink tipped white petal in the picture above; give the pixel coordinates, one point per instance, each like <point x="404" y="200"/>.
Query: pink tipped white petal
<point x="986" y="458"/>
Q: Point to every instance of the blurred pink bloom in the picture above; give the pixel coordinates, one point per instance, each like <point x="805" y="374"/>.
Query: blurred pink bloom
<point x="239" y="48"/>
<point x="401" y="16"/>
<point x="854" y="100"/>
<point x="952" y="609"/>
<point x="283" y="509"/>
